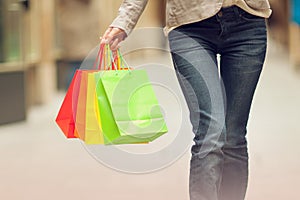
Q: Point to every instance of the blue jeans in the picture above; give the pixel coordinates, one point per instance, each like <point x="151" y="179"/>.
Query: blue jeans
<point x="219" y="98"/>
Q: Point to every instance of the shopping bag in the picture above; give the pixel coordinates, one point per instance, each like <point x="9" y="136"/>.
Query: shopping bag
<point x="105" y="116"/>
<point x="128" y="107"/>
<point x="81" y="106"/>
<point x="93" y="131"/>
<point x="66" y="116"/>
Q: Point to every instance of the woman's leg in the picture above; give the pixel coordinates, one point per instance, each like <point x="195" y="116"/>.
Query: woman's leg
<point x="242" y="58"/>
<point x="195" y="62"/>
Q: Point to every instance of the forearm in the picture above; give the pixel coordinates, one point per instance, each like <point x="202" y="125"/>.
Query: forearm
<point x="129" y="14"/>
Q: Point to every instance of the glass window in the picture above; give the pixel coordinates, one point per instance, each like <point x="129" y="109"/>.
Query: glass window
<point x="10" y="31"/>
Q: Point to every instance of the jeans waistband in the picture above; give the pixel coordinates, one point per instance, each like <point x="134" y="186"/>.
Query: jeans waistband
<point x="229" y="8"/>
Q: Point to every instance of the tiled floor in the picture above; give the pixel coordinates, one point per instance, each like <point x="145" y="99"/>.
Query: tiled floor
<point x="38" y="163"/>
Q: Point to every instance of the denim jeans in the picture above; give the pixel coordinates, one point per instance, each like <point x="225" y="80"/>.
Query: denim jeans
<point x="219" y="96"/>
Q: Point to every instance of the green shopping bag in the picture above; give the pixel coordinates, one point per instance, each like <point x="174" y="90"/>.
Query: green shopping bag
<point x="128" y="107"/>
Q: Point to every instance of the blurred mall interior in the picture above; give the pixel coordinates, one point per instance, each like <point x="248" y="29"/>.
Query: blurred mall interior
<point x="43" y="42"/>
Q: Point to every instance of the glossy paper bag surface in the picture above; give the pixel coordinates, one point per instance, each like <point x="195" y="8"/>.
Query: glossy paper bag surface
<point x="134" y="106"/>
<point x="67" y="113"/>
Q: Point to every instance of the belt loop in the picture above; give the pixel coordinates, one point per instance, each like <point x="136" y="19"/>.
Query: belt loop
<point x="236" y="10"/>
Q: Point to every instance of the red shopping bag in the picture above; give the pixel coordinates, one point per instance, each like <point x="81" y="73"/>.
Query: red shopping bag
<point x="67" y="113"/>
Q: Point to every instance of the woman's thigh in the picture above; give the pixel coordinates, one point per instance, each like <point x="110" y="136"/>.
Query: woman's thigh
<point x="196" y="66"/>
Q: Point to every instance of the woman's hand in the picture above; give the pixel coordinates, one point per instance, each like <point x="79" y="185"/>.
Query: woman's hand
<point x="113" y="36"/>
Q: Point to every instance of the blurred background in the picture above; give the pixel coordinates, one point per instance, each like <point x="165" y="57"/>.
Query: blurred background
<point x="42" y="43"/>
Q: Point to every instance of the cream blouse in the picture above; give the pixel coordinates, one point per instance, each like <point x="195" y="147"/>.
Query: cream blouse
<point x="179" y="12"/>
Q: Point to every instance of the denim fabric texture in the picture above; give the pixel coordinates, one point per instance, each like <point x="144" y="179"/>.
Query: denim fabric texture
<point x="219" y="96"/>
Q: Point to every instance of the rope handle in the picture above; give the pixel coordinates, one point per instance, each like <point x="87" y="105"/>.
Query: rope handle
<point x="110" y="60"/>
<point x="99" y="58"/>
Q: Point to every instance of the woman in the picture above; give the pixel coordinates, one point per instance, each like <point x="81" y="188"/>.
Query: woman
<point x="219" y="98"/>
